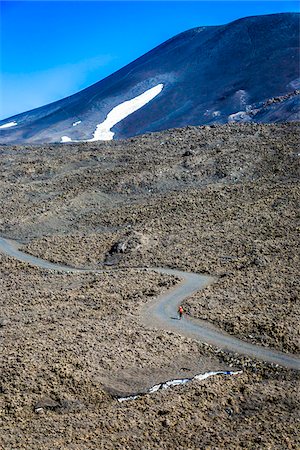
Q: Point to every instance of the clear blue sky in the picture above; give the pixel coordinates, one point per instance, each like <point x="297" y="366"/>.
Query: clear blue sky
<point x="52" y="49"/>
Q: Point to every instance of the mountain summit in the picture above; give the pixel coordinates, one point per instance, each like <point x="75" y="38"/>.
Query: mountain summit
<point x="247" y="70"/>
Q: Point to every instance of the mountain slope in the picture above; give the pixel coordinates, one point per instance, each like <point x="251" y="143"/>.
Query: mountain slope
<point x="247" y="70"/>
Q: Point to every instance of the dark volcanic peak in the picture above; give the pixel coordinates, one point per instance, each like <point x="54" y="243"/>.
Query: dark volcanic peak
<point x="245" y="71"/>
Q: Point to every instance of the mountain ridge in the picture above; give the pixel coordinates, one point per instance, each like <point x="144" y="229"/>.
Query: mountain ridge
<point x="199" y="86"/>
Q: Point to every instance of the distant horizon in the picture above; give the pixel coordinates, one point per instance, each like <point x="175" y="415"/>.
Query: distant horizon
<point x="59" y="50"/>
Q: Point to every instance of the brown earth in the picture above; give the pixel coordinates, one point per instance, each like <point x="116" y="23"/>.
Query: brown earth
<point x="220" y="200"/>
<point x="230" y="206"/>
<point x="72" y="342"/>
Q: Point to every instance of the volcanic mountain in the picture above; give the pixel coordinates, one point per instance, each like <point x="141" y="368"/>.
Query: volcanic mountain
<point x="244" y="71"/>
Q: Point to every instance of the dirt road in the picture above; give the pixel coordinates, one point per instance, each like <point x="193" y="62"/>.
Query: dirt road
<point x="161" y="312"/>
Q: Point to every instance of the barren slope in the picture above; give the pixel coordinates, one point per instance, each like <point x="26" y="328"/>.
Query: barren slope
<point x="221" y="200"/>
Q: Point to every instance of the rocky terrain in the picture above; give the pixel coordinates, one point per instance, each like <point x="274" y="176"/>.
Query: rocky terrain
<point x="221" y="200"/>
<point x="74" y="342"/>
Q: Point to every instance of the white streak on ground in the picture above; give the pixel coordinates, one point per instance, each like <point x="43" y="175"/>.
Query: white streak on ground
<point x="121" y="111"/>
<point x="9" y="124"/>
<point x="66" y="139"/>
<point x="118" y="113"/>
<point x="170" y="383"/>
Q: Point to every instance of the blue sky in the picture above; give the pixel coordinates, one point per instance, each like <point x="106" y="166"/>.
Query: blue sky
<point x="52" y="49"/>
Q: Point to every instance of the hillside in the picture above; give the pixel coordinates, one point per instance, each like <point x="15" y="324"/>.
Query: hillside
<point x="244" y="71"/>
<point x="221" y="200"/>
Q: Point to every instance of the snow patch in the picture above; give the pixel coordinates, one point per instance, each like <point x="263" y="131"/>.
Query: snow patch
<point x="210" y="113"/>
<point x="76" y="123"/>
<point x="9" y="124"/>
<point x="118" y="113"/>
<point x="216" y="113"/>
<point x="241" y="116"/>
<point x="125" y="399"/>
<point x="65" y="139"/>
<point x="171" y="383"/>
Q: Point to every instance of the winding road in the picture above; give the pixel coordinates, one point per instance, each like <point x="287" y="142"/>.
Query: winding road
<point x="161" y="312"/>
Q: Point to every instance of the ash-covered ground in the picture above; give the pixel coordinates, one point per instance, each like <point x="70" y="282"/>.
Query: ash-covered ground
<point x="219" y="200"/>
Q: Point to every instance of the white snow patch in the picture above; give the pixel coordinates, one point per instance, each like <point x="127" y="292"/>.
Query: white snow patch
<point x="175" y="383"/>
<point x="171" y="383"/>
<point x="154" y="388"/>
<point x="65" y="139"/>
<point x="118" y="113"/>
<point x="241" y="116"/>
<point x="125" y="399"/>
<point x="216" y="113"/>
<point x="9" y="124"/>
<point x="210" y="113"/>
<point x="76" y="123"/>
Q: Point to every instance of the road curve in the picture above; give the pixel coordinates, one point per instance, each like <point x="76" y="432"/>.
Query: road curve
<point x="161" y="312"/>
